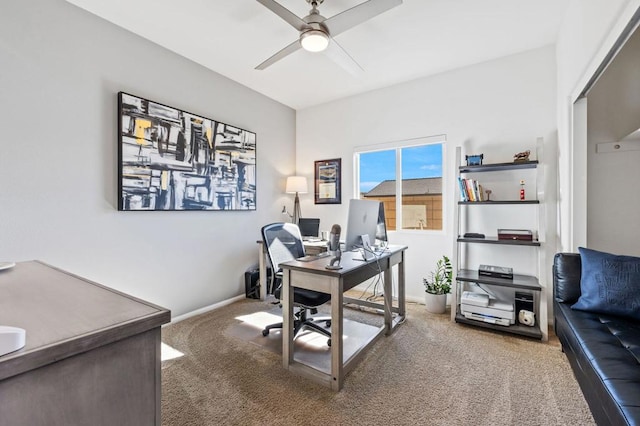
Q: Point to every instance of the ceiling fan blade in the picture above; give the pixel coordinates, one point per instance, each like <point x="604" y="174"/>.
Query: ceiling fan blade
<point x="337" y="54"/>
<point x="280" y="55"/>
<point x="358" y="14"/>
<point x="285" y="14"/>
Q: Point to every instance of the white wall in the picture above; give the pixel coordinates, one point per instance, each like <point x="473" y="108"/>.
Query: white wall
<point x="61" y="70"/>
<point x="497" y="108"/>
<point x="588" y="32"/>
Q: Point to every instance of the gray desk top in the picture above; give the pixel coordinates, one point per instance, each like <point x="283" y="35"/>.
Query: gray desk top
<point x="348" y="262"/>
<point x="65" y="315"/>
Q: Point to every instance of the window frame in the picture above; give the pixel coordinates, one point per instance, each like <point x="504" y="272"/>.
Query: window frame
<point x="398" y="146"/>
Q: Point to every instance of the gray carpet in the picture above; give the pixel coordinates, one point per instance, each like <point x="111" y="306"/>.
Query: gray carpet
<point x="429" y="372"/>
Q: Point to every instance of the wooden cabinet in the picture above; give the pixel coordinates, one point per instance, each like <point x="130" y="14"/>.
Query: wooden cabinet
<point x="485" y="217"/>
<point x="92" y="354"/>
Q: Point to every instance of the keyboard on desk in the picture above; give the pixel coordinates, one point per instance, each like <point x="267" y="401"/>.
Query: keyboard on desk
<point x="312" y="257"/>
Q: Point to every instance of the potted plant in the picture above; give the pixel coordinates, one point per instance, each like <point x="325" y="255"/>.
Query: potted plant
<point x="438" y="286"/>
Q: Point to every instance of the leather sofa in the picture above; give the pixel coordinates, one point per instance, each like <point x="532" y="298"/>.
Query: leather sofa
<point x="603" y="350"/>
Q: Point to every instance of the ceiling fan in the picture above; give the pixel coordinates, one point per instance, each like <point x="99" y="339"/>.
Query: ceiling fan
<point x="317" y="32"/>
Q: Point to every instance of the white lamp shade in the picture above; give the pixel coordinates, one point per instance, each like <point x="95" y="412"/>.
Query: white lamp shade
<point x="296" y="184"/>
<point x="314" y="41"/>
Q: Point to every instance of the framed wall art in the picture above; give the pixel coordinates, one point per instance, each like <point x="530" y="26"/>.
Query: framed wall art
<point x="328" y="181"/>
<point x="171" y="159"/>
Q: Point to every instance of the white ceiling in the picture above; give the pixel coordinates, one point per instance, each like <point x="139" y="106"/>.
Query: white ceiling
<point x="416" y="39"/>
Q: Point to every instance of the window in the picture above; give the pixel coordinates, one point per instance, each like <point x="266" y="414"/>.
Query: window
<point x="412" y="168"/>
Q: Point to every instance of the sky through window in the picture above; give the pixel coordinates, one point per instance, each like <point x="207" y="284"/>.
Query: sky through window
<point x="417" y="162"/>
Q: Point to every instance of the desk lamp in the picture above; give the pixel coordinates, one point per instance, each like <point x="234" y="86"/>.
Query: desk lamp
<point x="296" y="185"/>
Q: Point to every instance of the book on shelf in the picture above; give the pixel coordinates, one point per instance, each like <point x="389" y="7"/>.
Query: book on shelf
<point x="479" y="192"/>
<point x="472" y="195"/>
<point x="463" y="189"/>
<point x="470" y="190"/>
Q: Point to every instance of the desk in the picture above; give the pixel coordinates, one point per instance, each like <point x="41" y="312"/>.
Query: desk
<point x="314" y="276"/>
<point x="314" y="248"/>
<point x="92" y="355"/>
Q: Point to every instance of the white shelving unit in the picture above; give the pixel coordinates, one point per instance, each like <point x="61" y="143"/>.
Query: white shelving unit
<point x="505" y="210"/>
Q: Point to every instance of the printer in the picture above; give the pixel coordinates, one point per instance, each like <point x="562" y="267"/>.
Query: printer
<point x="482" y="307"/>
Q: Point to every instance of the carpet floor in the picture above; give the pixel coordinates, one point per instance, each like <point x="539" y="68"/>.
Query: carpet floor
<point x="431" y="371"/>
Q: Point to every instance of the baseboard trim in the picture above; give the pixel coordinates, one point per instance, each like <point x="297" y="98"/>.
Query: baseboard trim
<point x="205" y="309"/>
<point x="413" y="299"/>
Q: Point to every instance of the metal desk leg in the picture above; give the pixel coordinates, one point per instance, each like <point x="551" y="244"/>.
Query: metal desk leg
<point x="388" y="299"/>
<point x="388" y="296"/>
<point x="262" y="270"/>
<point x="337" y="360"/>
<point x="287" y="319"/>
<point x="402" y="302"/>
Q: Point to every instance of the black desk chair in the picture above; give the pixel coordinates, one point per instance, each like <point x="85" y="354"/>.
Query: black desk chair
<point x="284" y="243"/>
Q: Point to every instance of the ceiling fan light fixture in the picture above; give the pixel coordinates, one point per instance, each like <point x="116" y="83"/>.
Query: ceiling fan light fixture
<point x="314" y="40"/>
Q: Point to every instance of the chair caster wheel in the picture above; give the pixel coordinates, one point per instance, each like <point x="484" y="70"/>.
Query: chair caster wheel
<point x="265" y="333"/>
<point x="328" y="323"/>
<point x="329" y="342"/>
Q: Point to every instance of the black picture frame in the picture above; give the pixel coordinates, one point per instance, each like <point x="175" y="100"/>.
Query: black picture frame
<point x="328" y="181"/>
<point x="170" y="159"/>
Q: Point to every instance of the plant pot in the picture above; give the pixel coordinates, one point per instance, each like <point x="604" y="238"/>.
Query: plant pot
<point x="435" y="303"/>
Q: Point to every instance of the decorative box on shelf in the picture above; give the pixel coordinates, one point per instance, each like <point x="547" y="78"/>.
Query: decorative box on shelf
<point x="515" y="234"/>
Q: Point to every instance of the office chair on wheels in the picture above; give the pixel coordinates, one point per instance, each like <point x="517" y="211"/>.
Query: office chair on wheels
<point x="284" y="243"/>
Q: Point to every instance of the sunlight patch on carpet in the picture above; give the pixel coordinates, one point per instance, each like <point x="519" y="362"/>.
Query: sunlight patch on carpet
<point x="259" y="320"/>
<point x="167" y="352"/>
<point x="312" y="339"/>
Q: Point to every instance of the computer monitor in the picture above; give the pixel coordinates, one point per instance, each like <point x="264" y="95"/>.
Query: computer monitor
<point x="308" y="226"/>
<point x="381" y="229"/>
<point x="363" y="220"/>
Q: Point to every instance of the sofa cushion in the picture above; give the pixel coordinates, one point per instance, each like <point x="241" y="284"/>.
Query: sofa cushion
<point x="606" y="369"/>
<point x="609" y="284"/>
<point x="627" y="333"/>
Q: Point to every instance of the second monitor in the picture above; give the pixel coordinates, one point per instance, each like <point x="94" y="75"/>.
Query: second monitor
<point x="309" y="227"/>
<point x="363" y="220"/>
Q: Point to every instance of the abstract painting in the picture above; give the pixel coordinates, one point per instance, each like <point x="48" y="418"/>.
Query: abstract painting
<point x="170" y="159"/>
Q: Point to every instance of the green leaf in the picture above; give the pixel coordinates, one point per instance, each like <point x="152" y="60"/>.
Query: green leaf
<point x="441" y="278"/>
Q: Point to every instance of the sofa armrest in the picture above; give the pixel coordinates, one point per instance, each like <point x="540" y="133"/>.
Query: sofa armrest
<point x="566" y="277"/>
